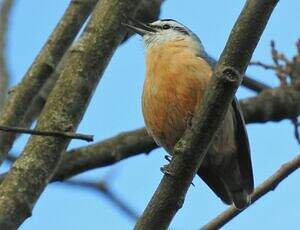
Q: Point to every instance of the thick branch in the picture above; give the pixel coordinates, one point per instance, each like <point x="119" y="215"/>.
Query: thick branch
<point x="267" y="186"/>
<point x="272" y="105"/>
<point x="192" y="147"/>
<point x="64" y="108"/>
<point x="43" y="66"/>
<point x="147" y="12"/>
<point x="104" y="153"/>
<point x="6" y="6"/>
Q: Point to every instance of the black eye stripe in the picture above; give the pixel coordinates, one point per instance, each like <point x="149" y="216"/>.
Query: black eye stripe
<point x="156" y="26"/>
<point x="179" y="29"/>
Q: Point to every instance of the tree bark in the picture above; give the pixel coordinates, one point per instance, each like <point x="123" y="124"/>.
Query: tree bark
<point x="5" y="9"/>
<point x="64" y="109"/>
<point x="43" y="66"/>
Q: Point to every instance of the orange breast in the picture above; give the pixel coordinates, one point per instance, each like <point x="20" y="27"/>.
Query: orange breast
<point x="175" y="82"/>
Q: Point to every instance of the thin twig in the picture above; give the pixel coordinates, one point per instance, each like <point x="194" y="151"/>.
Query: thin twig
<point x="247" y="81"/>
<point x="69" y="135"/>
<point x="288" y="74"/>
<point x="277" y="56"/>
<point x="281" y="72"/>
<point x="254" y="85"/>
<point x="261" y="64"/>
<point x="268" y="185"/>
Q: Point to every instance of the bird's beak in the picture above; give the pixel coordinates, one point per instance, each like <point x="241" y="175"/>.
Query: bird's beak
<point x="138" y="27"/>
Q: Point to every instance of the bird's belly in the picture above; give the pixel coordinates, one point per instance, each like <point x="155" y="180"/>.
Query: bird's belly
<point x="167" y="107"/>
<point x="175" y="82"/>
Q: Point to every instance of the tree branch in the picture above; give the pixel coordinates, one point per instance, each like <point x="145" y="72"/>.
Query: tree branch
<point x="65" y="107"/>
<point x="5" y="9"/>
<point x="263" y="65"/>
<point x="101" y="154"/>
<point x="104" y="153"/>
<point x="268" y="185"/>
<point x="43" y="66"/>
<point x="253" y="84"/>
<point x="147" y="12"/>
<point x="69" y="135"/>
<point x="190" y="151"/>
<point x="269" y="105"/>
<point x="272" y="105"/>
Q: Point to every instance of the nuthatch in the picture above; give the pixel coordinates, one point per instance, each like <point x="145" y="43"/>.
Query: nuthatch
<point x="178" y="72"/>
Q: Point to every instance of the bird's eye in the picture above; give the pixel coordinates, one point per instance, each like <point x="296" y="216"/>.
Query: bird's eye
<point x="166" y="27"/>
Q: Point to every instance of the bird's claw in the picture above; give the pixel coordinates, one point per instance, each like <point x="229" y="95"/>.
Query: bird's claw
<point x="166" y="171"/>
<point x="168" y="158"/>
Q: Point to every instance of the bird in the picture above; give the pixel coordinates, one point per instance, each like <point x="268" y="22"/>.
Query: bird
<point x="178" y="70"/>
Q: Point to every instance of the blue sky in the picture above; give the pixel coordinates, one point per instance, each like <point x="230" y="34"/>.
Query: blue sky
<point x="116" y="107"/>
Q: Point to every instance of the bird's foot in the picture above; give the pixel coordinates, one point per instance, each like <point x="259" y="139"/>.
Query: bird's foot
<point x="168" y="158"/>
<point x="166" y="171"/>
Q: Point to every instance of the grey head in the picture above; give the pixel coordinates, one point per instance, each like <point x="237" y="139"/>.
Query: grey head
<point x="165" y="30"/>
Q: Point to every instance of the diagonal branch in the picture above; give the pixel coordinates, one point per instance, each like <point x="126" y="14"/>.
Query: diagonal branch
<point x="267" y="186"/>
<point x="5" y="9"/>
<point x="147" y="12"/>
<point x="65" y="107"/>
<point x="42" y="67"/>
<point x="190" y="151"/>
<point x="253" y="84"/>
<point x="104" y="153"/>
<point x="249" y="82"/>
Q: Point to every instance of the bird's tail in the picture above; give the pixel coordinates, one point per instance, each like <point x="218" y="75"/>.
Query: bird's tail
<point x="241" y="199"/>
<point x="228" y="190"/>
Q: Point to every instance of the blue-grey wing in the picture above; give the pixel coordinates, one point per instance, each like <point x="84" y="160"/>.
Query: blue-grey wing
<point x="243" y="148"/>
<point x="220" y="184"/>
